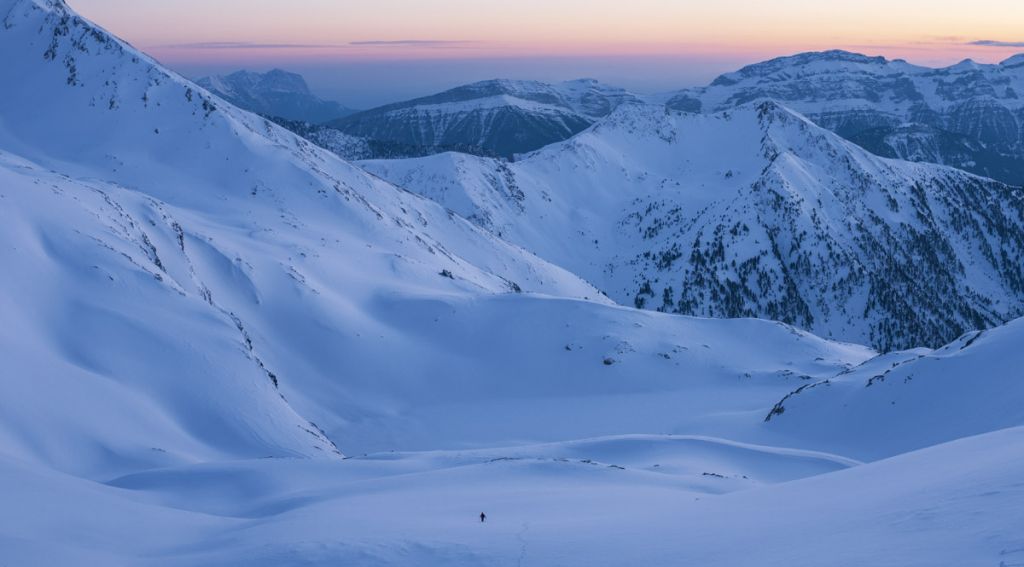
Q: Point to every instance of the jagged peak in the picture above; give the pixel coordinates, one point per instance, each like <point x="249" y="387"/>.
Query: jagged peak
<point x="769" y="108"/>
<point x="10" y="8"/>
<point x="58" y="18"/>
<point x="48" y="5"/>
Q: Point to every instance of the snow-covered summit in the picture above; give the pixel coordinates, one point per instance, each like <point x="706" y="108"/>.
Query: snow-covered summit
<point x="753" y="212"/>
<point x="497" y="117"/>
<point x="823" y="60"/>
<point x="968" y="115"/>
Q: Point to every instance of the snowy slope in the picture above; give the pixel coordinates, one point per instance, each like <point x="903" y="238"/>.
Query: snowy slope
<point x="968" y="115"/>
<point x="100" y="342"/>
<point x="179" y="234"/>
<point x="752" y="212"/>
<point x="910" y="400"/>
<point x="498" y="117"/>
<point x="956" y="504"/>
<point x="275" y="93"/>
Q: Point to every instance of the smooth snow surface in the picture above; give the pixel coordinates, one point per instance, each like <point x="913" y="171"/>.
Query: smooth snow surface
<point x="954" y="504"/>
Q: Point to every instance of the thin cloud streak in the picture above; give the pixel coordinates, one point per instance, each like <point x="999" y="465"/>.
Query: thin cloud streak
<point x="425" y="43"/>
<point x="249" y="45"/>
<point x="417" y="42"/>
<point x="995" y="43"/>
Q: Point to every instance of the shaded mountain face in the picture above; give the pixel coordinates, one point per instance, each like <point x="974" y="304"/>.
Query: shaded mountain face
<point x="276" y="93"/>
<point x="969" y="115"/>
<point x="499" y="117"/>
<point x="754" y="212"/>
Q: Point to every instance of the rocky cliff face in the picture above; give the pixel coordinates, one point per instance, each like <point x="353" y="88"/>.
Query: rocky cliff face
<point x="969" y="115"/>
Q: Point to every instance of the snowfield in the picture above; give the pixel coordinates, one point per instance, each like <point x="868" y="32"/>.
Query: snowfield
<point x="953" y="504"/>
<point x="224" y="345"/>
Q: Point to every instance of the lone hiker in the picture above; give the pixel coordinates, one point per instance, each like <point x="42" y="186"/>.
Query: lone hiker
<point x="483" y="517"/>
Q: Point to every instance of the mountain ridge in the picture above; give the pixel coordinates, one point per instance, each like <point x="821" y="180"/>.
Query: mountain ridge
<point x="500" y="116"/>
<point x="643" y="206"/>
<point x="968" y="115"/>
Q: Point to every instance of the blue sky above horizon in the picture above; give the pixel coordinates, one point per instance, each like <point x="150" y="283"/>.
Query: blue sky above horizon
<point x="368" y="53"/>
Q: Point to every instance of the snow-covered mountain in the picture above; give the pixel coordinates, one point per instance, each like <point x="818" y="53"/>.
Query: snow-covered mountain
<point x="188" y="245"/>
<point x="498" y="117"/>
<point x="275" y="93"/>
<point x="753" y="212"/>
<point x="969" y="115"/>
<point x="198" y="304"/>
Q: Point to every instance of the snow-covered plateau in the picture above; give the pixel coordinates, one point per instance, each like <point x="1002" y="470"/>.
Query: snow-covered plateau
<point x="222" y="344"/>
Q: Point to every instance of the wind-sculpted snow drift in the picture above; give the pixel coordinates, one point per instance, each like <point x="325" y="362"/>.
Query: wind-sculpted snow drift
<point x="202" y="312"/>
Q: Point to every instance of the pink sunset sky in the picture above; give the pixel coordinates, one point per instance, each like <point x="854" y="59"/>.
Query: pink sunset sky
<point x="370" y="52"/>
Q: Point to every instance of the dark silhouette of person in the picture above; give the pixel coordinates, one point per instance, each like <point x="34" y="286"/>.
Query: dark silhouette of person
<point x="483" y="517"/>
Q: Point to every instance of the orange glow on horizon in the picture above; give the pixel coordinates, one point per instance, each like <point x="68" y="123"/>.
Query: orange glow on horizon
<point x="930" y="32"/>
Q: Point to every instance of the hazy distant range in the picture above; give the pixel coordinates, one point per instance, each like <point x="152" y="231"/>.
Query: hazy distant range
<point x="367" y="84"/>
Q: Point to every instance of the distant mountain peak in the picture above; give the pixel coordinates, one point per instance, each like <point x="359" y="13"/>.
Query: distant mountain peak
<point x="501" y="117"/>
<point x="966" y="65"/>
<point x="800" y="59"/>
<point x="501" y="86"/>
<point x="968" y="115"/>
<point x="277" y="93"/>
<point x="1014" y="61"/>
